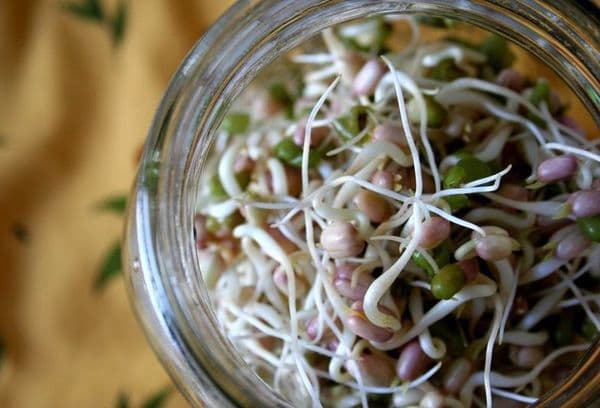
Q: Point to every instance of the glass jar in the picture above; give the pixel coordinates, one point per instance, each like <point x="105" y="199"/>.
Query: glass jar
<point x="163" y="273"/>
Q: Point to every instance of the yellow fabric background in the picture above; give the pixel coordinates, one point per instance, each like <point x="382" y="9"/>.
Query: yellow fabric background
<point x="73" y="113"/>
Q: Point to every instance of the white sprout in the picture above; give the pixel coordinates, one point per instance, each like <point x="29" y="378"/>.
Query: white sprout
<point x="221" y="210"/>
<point x="313" y="58"/>
<point x="489" y="349"/>
<point x="510" y="298"/>
<point x="226" y="173"/>
<point x="514" y="396"/>
<point x="570" y="149"/>
<point x="278" y="177"/>
<point x="546" y="208"/>
<point x="412" y="87"/>
<point x="457" y="53"/>
<point x="307" y="133"/>
<point x="407" y="130"/>
<point x="474" y="187"/>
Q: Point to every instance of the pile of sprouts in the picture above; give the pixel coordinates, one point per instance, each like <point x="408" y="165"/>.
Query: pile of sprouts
<point x="413" y="227"/>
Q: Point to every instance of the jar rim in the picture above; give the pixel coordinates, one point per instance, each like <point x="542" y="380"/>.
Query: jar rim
<point x="245" y="39"/>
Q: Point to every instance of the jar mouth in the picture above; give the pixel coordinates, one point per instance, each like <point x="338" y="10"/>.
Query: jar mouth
<point x="247" y="38"/>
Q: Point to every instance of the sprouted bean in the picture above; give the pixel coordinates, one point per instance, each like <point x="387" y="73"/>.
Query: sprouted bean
<point x="403" y="227"/>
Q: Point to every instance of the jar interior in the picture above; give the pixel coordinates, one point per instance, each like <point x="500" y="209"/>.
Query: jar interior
<point x="281" y="72"/>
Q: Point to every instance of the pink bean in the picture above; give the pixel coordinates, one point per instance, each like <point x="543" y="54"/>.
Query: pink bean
<point x="342" y="281"/>
<point x="573" y="245"/>
<point x="495" y="245"/>
<point x="383" y="178"/>
<point x="368" y="77"/>
<point x="341" y="240"/>
<point x="359" y="325"/>
<point x="375" y="370"/>
<point x="494" y="248"/>
<point x="557" y="168"/>
<point x="585" y="203"/>
<point x="412" y="362"/>
<point x="332" y="344"/>
<point x="457" y="374"/>
<point x="375" y="206"/>
<point x="344" y="271"/>
<point x="435" y="231"/>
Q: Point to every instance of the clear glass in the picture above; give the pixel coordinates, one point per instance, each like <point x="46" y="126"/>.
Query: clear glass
<point x="163" y="274"/>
